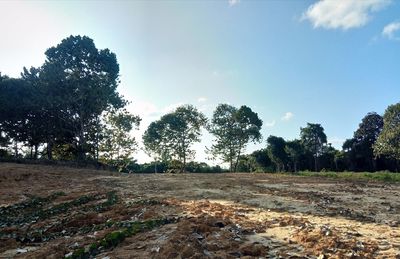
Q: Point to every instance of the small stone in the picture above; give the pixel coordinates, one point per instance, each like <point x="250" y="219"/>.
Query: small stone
<point x="155" y="249"/>
<point x="21" y="250"/>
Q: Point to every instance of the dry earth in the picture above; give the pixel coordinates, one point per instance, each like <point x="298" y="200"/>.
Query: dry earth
<point x="53" y="212"/>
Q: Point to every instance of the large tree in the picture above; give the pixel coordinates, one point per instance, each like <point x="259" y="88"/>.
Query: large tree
<point x="85" y="80"/>
<point x="277" y="152"/>
<point x="360" y="147"/>
<point x="388" y="141"/>
<point x="294" y="150"/>
<point x="17" y="111"/>
<point x="313" y="138"/>
<point x="175" y="133"/>
<point x="155" y="142"/>
<point x="233" y="129"/>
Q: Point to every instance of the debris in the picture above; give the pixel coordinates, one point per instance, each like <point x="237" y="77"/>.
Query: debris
<point x="21" y="250"/>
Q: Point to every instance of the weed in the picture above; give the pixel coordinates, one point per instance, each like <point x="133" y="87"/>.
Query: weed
<point x="379" y="176"/>
<point x="114" y="238"/>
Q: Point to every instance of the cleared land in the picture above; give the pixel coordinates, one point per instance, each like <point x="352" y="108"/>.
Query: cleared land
<point x="52" y="212"/>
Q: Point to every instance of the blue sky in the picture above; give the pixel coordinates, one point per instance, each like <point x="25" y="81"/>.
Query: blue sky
<point x="293" y="62"/>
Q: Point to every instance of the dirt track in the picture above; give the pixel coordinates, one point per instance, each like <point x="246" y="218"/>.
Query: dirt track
<point x="52" y="212"/>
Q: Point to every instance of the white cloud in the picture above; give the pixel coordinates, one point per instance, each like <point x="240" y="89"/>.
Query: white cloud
<point x="202" y="99"/>
<point x="233" y="2"/>
<point x="287" y="116"/>
<point x="342" y="14"/>
<point x="390" y="31"/>
<point x="270" y="124"/>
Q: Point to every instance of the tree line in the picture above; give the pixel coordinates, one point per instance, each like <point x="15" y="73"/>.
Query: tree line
<point x="69" y="109"/>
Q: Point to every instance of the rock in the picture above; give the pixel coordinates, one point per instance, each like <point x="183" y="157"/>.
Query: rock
<point x="21" y="250"/>
<point x="155" y="249"/>
<point x="207" y="253"/>
<point x="198" y="236"/>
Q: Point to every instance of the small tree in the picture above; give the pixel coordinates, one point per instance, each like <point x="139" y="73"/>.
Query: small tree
<point x="117" y="142"/>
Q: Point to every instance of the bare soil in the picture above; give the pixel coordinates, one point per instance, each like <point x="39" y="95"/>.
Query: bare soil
<point x="53" y="212"/>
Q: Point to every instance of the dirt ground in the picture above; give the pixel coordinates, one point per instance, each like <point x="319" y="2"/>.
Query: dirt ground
<point x="56" y="212"/>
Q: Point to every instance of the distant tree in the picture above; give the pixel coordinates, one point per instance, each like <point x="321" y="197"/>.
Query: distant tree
<point x="388" y="141"/>
<point x="16" y="110"/>
<point x="222" y="126"/>
<point x="360" y="147"/>
<point x="184" y="129"/>
<point x="233" y="129"/>
<point x="88" y="78"/>
<point x="116" y="142"/>
<point x="4" y="139"/>
<point x="262" y="162"/>
<point x="294" y="150"/>
<point x="340" y="160"/>
<point x="277" y="153"/>
<point x="175" y="133"/>
<point x="327" y="158"/>
<point x="246" y="164"/>
<point x="155" y="143"/>
<point x="36" y="119"/>
<point x="313" y="138"/>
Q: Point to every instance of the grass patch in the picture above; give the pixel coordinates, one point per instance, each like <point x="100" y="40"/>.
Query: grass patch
<point x="114" y="238"/>
<point x="379" y="176"/>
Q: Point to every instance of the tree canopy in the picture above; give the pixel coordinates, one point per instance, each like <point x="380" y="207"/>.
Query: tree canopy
<point x="233" y="129"/>
<point x="388" y="142"/>
<point x="313" y="138"/>
<point x="174" y="134"/>
<point x="69" y="109"/>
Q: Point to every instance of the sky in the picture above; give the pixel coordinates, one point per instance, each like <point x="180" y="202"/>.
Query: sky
<point x="329" y="62"/>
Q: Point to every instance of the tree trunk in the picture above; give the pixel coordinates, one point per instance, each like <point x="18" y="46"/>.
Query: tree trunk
<point x="336" y="166"/>
<point x="295" y="167"/>
<point x="238" y="156"/>
<point x="81" y="141"/>
<point x="35" y="154"/>
<point x="16" y="149"/>
<point x="373" y="164"/>
<point x="316" y="163"/>
<point x="184" y="163"/>
<point x="50" y="150"/>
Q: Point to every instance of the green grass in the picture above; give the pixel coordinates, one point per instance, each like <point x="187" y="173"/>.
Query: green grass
<point x="379" y="176"/>
<point x="114" y="238"/>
